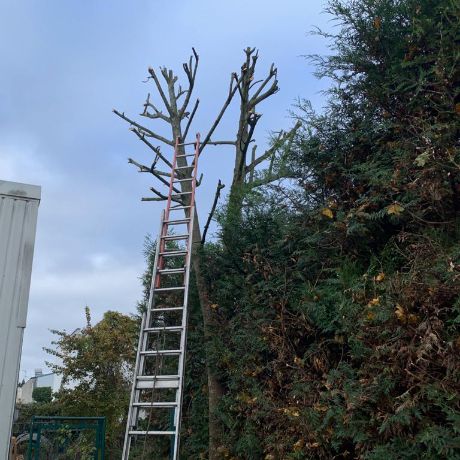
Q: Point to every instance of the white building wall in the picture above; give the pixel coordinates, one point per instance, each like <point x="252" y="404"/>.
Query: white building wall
<point x="25" y="392"/>
<point x="18" y="217"/>
<point x="49" y="380"/>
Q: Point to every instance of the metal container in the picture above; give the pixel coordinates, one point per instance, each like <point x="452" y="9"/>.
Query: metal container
<point x="18" y="220"/>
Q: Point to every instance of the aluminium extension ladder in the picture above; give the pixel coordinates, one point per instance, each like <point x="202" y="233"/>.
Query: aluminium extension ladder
<point x="154" y="417"/>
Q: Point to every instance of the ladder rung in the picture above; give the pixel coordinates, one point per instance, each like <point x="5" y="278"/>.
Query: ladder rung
<point x="184" y="180"/>
<point x="161" y="352"/>
<point x="186" y="155"/>
<point x="147" y="433"/>
<point x="175" y="208"/>
<point x="184" y="167"/>
<point x="173" y="253"/>
<point x="188" y="143"/>
<point x="158" y="377"/>
<point x="155" y="404"/>
<point x="181" y="193"/>
<point x="178" y="221"/>
<point x="171" y="271"/>
<point x="175" y="237"/>
<point x="175" y="288"/>
<point x="159" y="382"/>
<point x="167" y="309"/>
<point x="164" y="328"/>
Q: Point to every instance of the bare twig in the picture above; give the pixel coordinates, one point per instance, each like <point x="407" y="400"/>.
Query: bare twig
<point x="255" y="83"/>
<point x="279" y="141"/>
<point x="180" y="92"/>
<point x="164" y="197"/>
<point x="158" y="174"/>
<point x="158" y="113"/>
<point x="252" y="121"/>
<point x="190" y="119"/>
<point x="144" y="168"/>
<point x="143" y="129"/>
<point x="158" y="193"/>
<point x="253" y="158"/>
<point x="220" y="186"/>
<point x="258" y="97"/>
<point x="155" y="149"/>
<point x="164" y="181"/>
<point x="269" y="178"/>
<point x="148" y="198"/>
<point x="231" y="93"/>
<point x="160" y="89"/>
<point x="221" y="142"/>
<point x="238" y="83"/>
<point x="191" y="75"/>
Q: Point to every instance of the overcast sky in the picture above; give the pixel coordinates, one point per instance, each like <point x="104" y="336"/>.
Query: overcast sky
<point x="64" y="66"/>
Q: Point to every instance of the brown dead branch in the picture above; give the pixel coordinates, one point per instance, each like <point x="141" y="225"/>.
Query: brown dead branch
<point x="157" y="113"/>
<point x="231" y="93"/>
<point x="253" y="158"/>
<point x="190" y="119"/>
<point x="152" y="147"/>
<point x="258" y="95"/>
<point x="191" y="75"/>
<point x="143" y="129"/>
<point x="278" y="143"/>
<point x="160" y="89"/>
<point x="145" y="169"/>
<point x="220" y="186"/>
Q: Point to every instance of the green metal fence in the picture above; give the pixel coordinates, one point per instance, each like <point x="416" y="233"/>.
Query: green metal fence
<point x="66" y="438"/>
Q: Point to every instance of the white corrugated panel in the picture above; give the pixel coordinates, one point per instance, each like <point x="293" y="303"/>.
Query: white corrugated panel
<point x="18" y="220"/>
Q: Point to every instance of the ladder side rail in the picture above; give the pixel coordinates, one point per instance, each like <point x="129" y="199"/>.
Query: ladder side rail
<point x="140" y="359"/>
<point x="171" y="179"/>
<point x="132" y="411"/>
<point x="195" y="172"/>
<point x="139" y="368"/>
<point x="164" y="227"/>
<point x="183" y="343"/>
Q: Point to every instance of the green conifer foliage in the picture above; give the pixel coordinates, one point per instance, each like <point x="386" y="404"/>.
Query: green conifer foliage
<point x="339" y="302"/>
<point x="42" y="395"/>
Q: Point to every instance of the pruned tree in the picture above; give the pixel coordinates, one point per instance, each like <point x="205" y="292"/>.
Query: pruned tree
<point x="172" y="105"/>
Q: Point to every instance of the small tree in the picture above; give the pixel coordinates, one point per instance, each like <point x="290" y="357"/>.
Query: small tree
<point x="42" y="395"/>
<point x="98" y="363"/>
